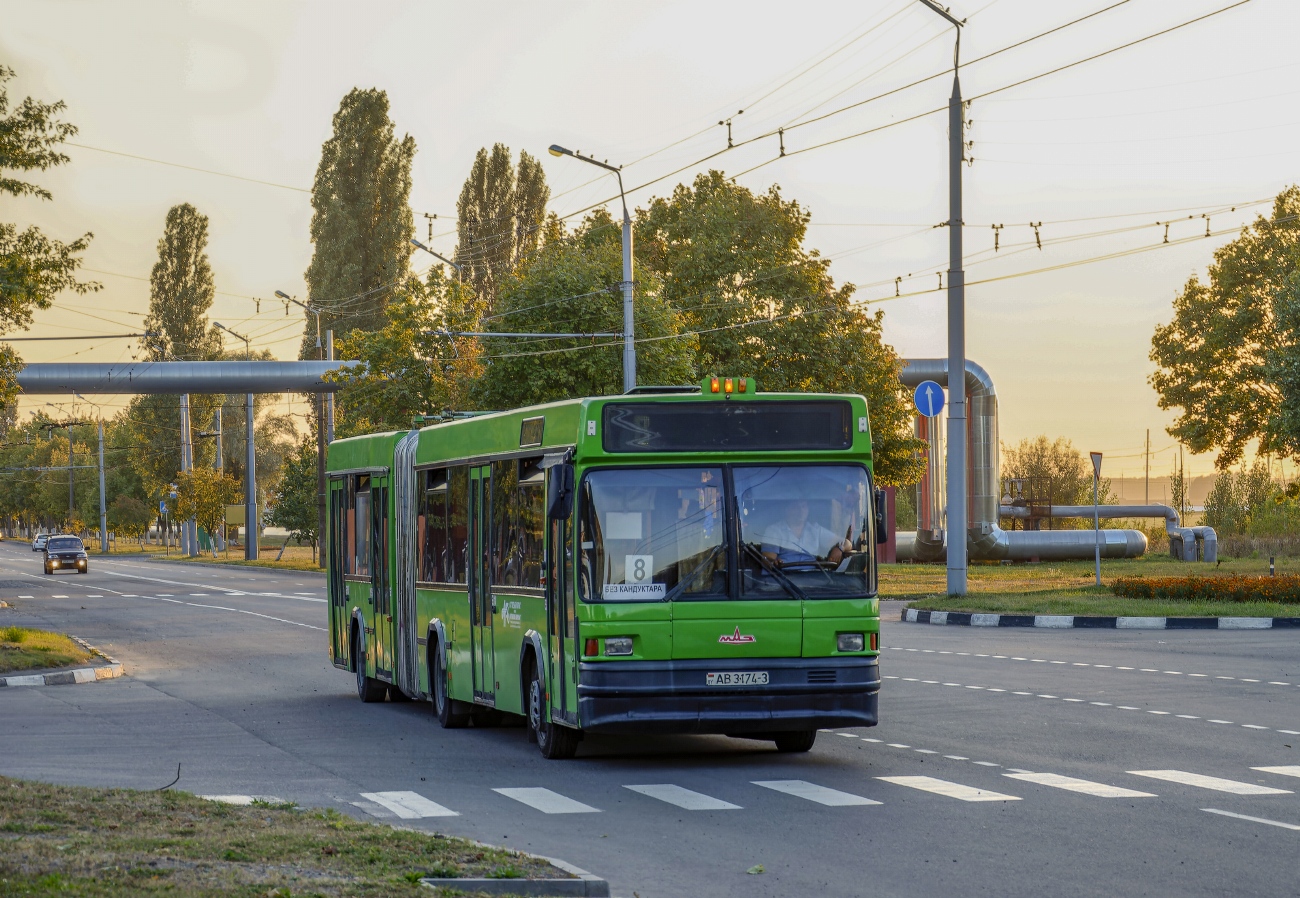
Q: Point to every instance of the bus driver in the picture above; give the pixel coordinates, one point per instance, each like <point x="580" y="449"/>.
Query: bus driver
<point x="796" y="540"/>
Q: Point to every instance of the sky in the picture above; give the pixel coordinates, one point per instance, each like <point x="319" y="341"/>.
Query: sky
<point x="1196" y="128"/>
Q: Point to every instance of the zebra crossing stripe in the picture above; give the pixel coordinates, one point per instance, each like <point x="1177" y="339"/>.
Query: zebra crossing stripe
<point x="1289" y="770"/>
<point x="547" y="802"/>
<point x="684" y="798"/>
<point x="1210" y="782"/>
<point x="409" y="805"/>
<point x="1056" y="781"/>
<point x="812" y="792"/>
<point x="947" y="789"/>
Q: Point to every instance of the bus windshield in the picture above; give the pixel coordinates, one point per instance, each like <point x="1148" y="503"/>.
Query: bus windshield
<point x="750" y="532"/>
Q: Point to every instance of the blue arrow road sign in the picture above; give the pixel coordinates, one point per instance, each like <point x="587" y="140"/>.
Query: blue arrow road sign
<point x="928" y="397"/>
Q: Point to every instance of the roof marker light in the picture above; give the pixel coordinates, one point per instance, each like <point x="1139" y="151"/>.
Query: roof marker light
<point x="713" y="384"/>
<point x="728" y="385"/>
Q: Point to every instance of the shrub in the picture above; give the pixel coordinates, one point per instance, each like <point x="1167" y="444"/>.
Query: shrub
<point x="1284" y="589"/>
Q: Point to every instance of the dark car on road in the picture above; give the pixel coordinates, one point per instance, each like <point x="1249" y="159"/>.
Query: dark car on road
<point x="65" y="553"/>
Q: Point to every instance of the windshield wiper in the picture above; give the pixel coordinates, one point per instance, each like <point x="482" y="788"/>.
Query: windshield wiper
<point x="690" y="578"/>
<point x="786" y="583"/>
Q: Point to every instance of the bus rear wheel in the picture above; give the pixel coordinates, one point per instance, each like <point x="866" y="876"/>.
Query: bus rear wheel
<point x="450" y="712"/>
<point x="555" y="742"/>
<point x="795" y="741"/>
<point x="368" y="688"/>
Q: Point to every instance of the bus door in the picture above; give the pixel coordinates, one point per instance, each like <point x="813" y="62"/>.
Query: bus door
<point x="561" y="662"/>
<point x="335" y="547"/>
<point x="381" y="586"/>
<point x="481" y="612"/>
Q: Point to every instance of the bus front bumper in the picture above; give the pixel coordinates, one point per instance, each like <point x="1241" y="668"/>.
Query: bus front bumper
<point x="675" y="696"/>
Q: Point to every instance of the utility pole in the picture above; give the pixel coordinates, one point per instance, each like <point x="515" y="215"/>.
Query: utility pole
<point x="49" y="428"/>
<point x="189" y="529"/>
<point x="1147" y="456"/>
<point x="103" y="502"/>
<point x="250" y="462"/>
<point x="957" y="510"/>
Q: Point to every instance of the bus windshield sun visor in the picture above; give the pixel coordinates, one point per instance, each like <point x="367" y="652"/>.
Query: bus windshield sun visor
<point x="776" y="425"/>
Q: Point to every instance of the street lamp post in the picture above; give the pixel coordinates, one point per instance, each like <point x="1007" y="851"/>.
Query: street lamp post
<point x="1096" y="526"/>
<point x="439" y="256"/>
<point x="321" y="486"/>
<point x="629" y="342"/>
<point x="250" y="463"/>
<point x="957" y="510"/>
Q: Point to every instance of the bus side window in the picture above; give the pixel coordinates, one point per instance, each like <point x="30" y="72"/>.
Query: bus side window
<point x="457" y="523"/>
<point x="434" y="547"/>
<point x="360" y="528"/>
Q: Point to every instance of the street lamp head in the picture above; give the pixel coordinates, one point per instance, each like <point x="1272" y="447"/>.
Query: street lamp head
<point x="557" y="150"/>
<point x="282" y="294"/>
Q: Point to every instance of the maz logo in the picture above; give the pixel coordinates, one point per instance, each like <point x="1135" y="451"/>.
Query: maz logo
<point x="735" y="638"/>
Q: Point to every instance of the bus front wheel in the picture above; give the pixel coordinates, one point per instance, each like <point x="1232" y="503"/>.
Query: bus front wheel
<point x="555" y="742"/>
<point x="795" y="741"/>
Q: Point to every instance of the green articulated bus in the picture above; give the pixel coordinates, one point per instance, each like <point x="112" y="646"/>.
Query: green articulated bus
<point x="671" y="560"/>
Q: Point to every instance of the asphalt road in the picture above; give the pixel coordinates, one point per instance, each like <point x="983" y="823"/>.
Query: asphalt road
<point x="1008" y="762"/>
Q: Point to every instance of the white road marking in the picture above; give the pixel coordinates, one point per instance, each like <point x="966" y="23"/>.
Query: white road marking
<point x="684" y="798"/>
<point x="409" y="805"/>
<point x="1265" y="820"/>
<point x="244" y="800"/>
<point x="225" y="589"/>
<point x="890" y="744"/>
<point x="1210" y="782"/>
<point x="832" y="798"/>
<point x="1288" y="770"/>
<point x="1056" y="781"/>
<point x="547" y="802"/>
<point x="947" y="789"/>
<point x="57" y="596"/>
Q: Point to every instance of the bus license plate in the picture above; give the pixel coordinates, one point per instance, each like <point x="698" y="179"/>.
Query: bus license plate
<point x="737" y="678"/>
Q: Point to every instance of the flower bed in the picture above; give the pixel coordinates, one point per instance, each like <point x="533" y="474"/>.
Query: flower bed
<point x="1284" y="590"/>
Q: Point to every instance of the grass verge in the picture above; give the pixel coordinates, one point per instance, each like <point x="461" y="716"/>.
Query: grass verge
<point x="23" y="649"/>
<point x="113" y="843"/>
<point x="1066" y="587"/>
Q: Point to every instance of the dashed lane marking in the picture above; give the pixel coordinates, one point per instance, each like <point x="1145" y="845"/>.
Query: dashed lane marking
<point x="1069" y="783"/>
<point x="409" y="805"/>
<point x="684" y="798"/>
<point x="1210" y="782"/>
<point x="1175" y="673"/>
<point x="1278" y="823"/>
<point x="947" y="789"/>
<point x="547" y="802"/>
<point x="832" y="798"/>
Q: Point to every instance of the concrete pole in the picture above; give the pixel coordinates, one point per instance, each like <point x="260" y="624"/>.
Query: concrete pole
<point x="250" y="488"/>
<point x="320" y="462"/>
<point x="220" y="465"/>
<point x="629" y="341"/>
<point x="957" y="473"/>
<point x="71" y="471"/>
<point x="189" y="543"/>
<point x="103" y="503"/>
<point x="329" y="411"/>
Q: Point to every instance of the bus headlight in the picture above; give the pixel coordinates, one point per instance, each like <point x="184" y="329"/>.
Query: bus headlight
<point x="850" y="642"/>
<point x="618" y="645"/>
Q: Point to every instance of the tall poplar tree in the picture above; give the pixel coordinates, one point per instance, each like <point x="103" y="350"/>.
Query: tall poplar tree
<point x="181" y="291"/>
<point x="499" y="219"/>
<point x="34" y="268"/>
<point x="362" y="222"/>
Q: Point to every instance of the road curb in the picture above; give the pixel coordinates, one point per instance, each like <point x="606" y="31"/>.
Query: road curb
<point x="585" y="885"/>
<point x="1078" y="621"/>
<point x="109" y="671"/>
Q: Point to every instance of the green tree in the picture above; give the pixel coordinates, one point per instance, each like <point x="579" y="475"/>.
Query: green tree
<point x="130" y="517"/>
<point x="734" y="264"/>
<point x="361" y="221"/>
<point x="1054" y="470"/>
<point x="499" y="218"/>
<point x="1229" y="361"/>
<point x="34" y="268"/>
<point x="295" y="506"/>
<point x="203" y="494"/>
<point x="181" y="291"/>
<point x="408" y="368"/>
<point x="571" y="285"/>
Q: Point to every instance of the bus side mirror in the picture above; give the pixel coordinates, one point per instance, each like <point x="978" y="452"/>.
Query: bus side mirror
<point x="559" y="492"/>
<point x="882" y="532"/>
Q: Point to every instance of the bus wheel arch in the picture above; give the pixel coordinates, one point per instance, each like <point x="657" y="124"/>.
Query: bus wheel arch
<point x="368" y="688"/>
<point x="451" y="714"/>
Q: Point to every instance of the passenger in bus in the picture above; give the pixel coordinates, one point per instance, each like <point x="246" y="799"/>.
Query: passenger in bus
<point x="797" y="540"/>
